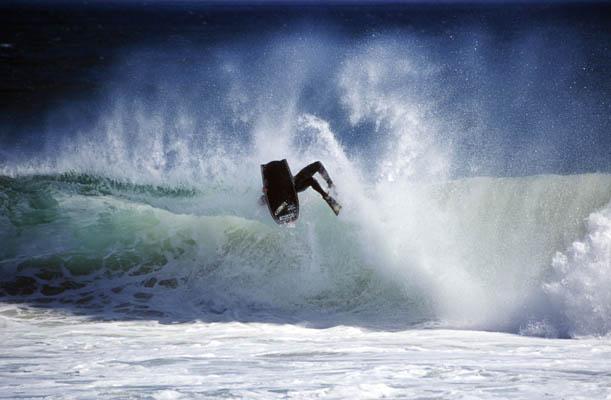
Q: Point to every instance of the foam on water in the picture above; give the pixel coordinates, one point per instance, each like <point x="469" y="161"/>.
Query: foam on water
<point x="580" y="276"/>
<point x="74" y="358"/>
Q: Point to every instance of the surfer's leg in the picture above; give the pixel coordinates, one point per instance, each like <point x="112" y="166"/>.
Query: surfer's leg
<point x="313" y="183"/>
<point x="304" y="179"/>
<point x="302" y="185"/>
<point x="323" y="172"/>
<point x="309" y="171"/>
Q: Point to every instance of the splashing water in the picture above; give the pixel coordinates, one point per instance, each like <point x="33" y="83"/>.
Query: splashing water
<point x="151" y="209"/>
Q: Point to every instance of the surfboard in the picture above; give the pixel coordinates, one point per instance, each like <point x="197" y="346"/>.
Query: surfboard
<point x="279" y="191"/>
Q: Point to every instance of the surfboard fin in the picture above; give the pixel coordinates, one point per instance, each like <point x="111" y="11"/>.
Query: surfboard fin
<point x="335" y="206"/>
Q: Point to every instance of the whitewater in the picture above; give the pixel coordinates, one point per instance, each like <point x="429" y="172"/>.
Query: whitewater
<point x="135" y="261"/>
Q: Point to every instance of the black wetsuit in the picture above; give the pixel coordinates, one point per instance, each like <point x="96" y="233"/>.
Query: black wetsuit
<point x="305" y="178"/>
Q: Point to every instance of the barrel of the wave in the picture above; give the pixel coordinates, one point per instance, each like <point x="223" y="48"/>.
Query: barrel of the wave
<point x="279" y="191"/>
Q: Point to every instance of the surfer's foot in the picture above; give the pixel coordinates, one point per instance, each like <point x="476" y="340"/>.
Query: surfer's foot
<point x="335" y="206"/>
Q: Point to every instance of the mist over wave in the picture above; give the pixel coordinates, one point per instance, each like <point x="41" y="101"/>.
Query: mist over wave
<point x="145" y="203"/>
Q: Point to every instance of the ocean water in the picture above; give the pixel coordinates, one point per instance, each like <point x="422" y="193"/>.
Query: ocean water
<point x="470" y="148"/>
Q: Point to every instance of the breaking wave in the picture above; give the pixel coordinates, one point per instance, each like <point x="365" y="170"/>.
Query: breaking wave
<point x="151" y="209"/>
<point x="482" y="252"/>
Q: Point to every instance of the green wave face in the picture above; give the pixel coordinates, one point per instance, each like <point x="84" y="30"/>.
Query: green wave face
<point x="92" y="242"/>
<point x="423" y="253"/>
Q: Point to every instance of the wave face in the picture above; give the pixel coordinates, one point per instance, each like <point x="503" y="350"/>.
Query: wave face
<point x="484" y="253"/>
<point x="142" y="201"/>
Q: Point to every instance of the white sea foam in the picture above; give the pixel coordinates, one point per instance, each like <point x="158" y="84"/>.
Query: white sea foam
<point x="582" y="277"/>
<point x="70" y="357"/>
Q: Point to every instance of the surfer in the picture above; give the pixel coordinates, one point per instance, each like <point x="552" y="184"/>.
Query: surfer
<point x="305" y="179"/>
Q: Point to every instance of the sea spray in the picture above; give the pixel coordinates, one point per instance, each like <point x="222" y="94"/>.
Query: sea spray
<point x="153" y="203"/>
<point x="139" y="251"/>
<point x="581" y="277"/>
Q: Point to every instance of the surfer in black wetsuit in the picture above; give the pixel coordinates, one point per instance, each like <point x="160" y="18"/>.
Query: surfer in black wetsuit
<point x="305" y="179"/>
